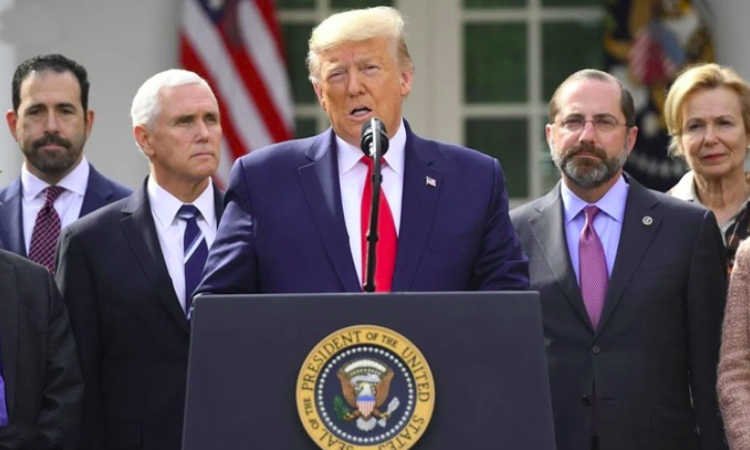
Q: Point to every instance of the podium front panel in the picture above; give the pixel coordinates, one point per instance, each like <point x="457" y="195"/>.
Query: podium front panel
<point x="485" y="352"/>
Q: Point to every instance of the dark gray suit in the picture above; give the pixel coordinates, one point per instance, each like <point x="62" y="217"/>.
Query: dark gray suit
<point x="100" y="191"/>
<point x="43" y="384"/>
<point x="658" y="337"/>
<point x="131" y="330"/>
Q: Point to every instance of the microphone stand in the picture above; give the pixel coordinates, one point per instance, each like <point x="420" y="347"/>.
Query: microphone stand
<point x="372" y="229"/>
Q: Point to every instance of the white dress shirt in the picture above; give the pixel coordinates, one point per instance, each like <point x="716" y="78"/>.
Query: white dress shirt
<point x="68" y="204"/>
<point x="352" y="174"/>
<point x="171" y="230"/>
<point x="685" y="190"/>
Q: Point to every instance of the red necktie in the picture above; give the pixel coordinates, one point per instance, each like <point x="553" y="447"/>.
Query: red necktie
<point x="46" y="230"/>
<point x="385" y="260"/>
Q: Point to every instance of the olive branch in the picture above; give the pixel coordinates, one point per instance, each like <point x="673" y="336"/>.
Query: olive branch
<point x="339" y="407"/>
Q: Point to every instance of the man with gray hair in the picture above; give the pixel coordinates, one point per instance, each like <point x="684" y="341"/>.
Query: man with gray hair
<point x="632" y="282"/>
<point x="297" y="210"/>
<point x="128" y="271"/>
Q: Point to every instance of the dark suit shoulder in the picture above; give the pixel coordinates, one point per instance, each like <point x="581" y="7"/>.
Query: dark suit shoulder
<point x="24" y="267"/>
<point x="118" y="191"/>
<point x="452" y="154"/>
<point x="468" y="166"/>
<point x="637" y="193"/>
<point x="527" y="209"/>
<point x="521" y="214"/>
<point x="677" y="212"/>
<point x="10" y="191"/>
<point x="281" y="153"/>
<point x="100" y="220"/>
<point x="678" y="205"/>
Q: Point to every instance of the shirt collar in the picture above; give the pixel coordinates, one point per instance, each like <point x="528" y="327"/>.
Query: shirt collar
<point x="612" y="203"/>
<point x="349" y="155"/>
<point x="685" y="189"/>
<point x="165" y="205"/>
<point x="76" y="181"/>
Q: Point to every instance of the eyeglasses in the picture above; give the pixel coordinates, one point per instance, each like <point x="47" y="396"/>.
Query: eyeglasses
<point x="602" y="124"/>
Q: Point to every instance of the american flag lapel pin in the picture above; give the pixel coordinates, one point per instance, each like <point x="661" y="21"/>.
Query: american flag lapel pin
<point x="429" y="181"/>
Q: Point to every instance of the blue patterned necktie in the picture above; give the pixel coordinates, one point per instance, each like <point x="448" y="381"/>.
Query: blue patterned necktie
<point x="195" y="253"/>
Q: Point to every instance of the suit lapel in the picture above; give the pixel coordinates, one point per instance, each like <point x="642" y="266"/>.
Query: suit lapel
<point x="98" y="191"/>
<point x="320" y="182"/>
<point x="418" y="207"/>
<point x="11" y="220"/>
<point x="549" y="231"/>
<point x="9" y="322"/>
<point x="637" y="233"/>
<point x="140" y="230"/>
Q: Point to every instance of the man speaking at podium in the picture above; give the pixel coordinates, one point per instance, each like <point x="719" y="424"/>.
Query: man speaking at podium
<point x="296" y="212"/>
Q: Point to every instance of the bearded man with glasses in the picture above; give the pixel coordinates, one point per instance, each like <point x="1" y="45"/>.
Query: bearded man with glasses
<point x="631" y="283"/>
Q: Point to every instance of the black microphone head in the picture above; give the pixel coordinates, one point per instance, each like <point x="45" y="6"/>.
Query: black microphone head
<point x="371" y="130"/>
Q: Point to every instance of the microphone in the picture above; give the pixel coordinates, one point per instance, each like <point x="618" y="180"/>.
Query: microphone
<point x="374" y="144"/>
<point x="374" y="137"/>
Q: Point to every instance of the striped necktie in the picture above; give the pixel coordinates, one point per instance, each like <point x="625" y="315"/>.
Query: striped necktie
<point x="195" y="252"/>
<point x="46" y="230"/>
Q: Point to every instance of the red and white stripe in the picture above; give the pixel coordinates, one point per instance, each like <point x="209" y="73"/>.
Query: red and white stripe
<point x="366" y="407"/>
<point x="248" y="77"/>
<point x="648" y="62"/>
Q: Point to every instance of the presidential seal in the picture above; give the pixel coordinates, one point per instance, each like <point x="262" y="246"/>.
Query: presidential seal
<point x="365" y="387"/>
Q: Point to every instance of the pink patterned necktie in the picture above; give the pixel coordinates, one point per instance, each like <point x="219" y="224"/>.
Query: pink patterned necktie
<point x="46" y="230"/>
<point x="592" y="267"/>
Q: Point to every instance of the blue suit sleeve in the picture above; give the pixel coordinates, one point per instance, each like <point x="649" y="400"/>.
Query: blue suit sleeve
<point x="501" y="264"/>
<point x="231" y="267"/>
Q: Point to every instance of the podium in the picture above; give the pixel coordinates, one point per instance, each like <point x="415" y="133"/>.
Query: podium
<point x="485" y="352"/>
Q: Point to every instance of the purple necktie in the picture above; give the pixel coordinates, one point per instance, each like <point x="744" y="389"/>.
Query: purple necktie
<point x="46" y="230"/>
<point x="592" y="267"/>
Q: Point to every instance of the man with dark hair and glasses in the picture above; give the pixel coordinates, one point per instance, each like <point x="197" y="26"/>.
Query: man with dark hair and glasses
<point x="51" y="121"/>
<point x="631" y="284"/>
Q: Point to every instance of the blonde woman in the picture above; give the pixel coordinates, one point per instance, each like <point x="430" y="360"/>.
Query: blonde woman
<point x="707" y="112"/>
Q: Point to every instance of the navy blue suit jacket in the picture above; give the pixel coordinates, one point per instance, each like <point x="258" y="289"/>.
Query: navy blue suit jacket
<point x="283" y="229"/>
<point x="100" y="191"/>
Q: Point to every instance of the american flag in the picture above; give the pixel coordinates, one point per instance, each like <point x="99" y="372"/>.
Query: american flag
<point x="236" y="46"/>
<point x="655" y="56"/>
<point x="366" y="404"/>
